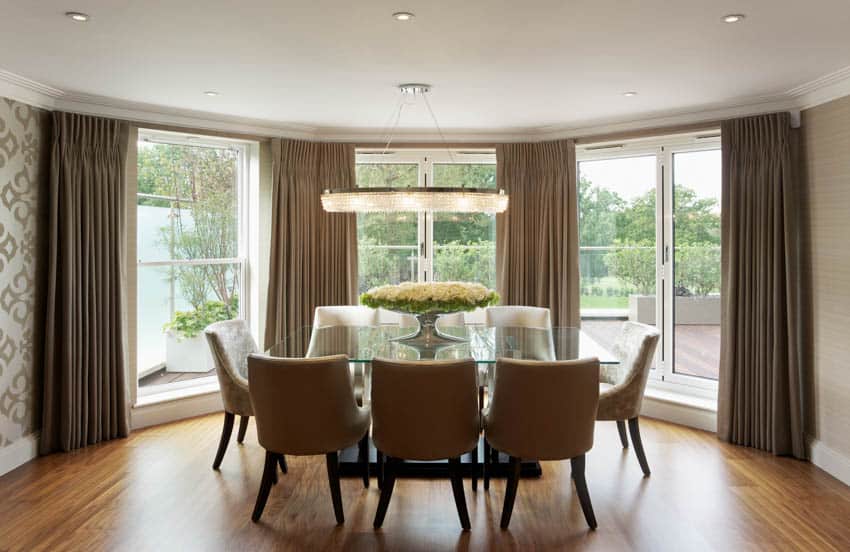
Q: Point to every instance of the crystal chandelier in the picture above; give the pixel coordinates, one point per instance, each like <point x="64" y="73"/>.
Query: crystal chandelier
<point x="459" y="199"/>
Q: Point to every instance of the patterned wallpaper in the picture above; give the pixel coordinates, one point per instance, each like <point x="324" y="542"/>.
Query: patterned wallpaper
<point x="24" y="155"/>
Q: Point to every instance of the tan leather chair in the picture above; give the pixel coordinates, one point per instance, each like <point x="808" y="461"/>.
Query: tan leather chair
<point x="231" y="342"/>
<point x="306" y="406"/>
<point x="621" y="400"/>
<point x="426" y="410"/>
<point x="544" y="411"/>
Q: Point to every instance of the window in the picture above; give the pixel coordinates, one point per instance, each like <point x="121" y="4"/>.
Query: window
<point x="398" y="247"/>
<point x="649" y="231"/>
<point x="191" y="254"/>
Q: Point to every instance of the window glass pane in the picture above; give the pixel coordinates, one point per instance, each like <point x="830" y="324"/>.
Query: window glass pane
<point x="696" y="267"/>
<point x="617" y="244"/>
<point x="465" y="243"/>
<point x="187" y="198"/>
<point x="387" y="243"/>
<point x="174" y="305"/>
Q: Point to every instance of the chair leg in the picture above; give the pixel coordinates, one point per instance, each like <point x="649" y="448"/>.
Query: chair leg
<point x="379" y="465"/>
<point x="333" y="479"/>
<point x="386" y="492"/>
<point x="634" y="430"/>
<point x="226" y="431"/>
<point x="621" y="428"/>
<point x="269" y="471"/>
<point x="510" y="491"/>
<point x="363" y="458"/>
<point x="577" y="464"/>
<point x="457" y="489"/>
<point x="281" y="460"/>
<point x="243" y="427"/>
<point x="474" y="455"/>
<point x="486" y="468"/>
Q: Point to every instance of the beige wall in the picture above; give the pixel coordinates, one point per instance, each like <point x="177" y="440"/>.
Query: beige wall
<point x="24" y="154"/>
<point x="826" y="247"/>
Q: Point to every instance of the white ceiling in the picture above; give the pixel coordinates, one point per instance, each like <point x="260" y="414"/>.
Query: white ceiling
<point x="493" y="64"/>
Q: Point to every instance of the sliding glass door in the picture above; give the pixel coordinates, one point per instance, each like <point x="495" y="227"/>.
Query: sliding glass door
<point x="649" y="226"/>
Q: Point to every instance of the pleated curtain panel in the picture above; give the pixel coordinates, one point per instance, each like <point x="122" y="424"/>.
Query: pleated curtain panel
<point x="760" y="402"/>
<point x="537" y="237"/>
<point x="313" y="258"/>
<point x="85" y="379"/>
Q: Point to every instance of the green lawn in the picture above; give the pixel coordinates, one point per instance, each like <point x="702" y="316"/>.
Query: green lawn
<point x="603" y="301"/>
<point x="596" y="302"/>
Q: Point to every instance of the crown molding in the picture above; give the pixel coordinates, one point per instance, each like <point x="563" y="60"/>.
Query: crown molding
<point x="22" y="89"/>
<point x="815" y="92"/>
<point x="822" y="90"/>
<point x="140" y="112"/>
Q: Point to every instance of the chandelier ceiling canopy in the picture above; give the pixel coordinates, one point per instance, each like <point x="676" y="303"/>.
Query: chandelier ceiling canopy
<point x="455" y="199"/>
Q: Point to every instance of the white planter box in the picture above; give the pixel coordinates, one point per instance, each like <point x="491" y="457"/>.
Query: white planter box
<point x="689" y="310"/>
<point x="188" y="354"/>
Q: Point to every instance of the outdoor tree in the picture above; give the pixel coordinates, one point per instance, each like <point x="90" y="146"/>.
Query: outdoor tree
<point x="198" y="185"/>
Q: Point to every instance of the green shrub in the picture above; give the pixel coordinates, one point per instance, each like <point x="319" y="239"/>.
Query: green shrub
<point x="188" y="324"/>
<point x="698" y="268"/>
<point x="634" y="264"/>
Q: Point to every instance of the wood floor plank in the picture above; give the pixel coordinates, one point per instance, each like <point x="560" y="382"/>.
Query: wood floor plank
<point x="155" y="491"/>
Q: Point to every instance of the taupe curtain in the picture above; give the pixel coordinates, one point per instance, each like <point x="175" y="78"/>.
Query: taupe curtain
<point x="760" y="399"/>
<point x="313" y="260"/>
<point x="85" y="385"/>
<point x="537" y="237"/>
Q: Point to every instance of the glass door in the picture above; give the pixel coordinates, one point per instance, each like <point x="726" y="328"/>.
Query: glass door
<point x="649" y="250"/>
<point x="693" y="314"/>
<point x="618" y="243"/>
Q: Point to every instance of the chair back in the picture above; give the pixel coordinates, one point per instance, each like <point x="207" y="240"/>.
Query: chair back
<point x="455" y="319"/>
<point x="517" y="316"/>
<point x="424" y="410"/>
<point x="344" y="315"/>
<point x="305" y="405"/>
<point x="635" y="347"/>
<point x="230" y="343"/>
<point x="397" y="318"/>
<point x="543" y="410"/>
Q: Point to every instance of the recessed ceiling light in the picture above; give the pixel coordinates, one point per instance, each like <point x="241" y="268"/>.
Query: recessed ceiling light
<point x="78" y="16"/>
<point x="211" y="93"/>
<point x="733" y="17"/>
<point x="630" y="94"/>
<point x="403" y="16"/>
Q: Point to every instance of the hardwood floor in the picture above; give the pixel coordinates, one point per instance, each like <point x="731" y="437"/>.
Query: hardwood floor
<point x="156" y="491"/>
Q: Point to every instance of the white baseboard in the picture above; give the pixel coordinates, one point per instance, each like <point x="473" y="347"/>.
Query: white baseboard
<point x="692" y="415"/>
<point x="18" y="453"/>
<point x="829" y="460"/>
<point x="176" y="409"/>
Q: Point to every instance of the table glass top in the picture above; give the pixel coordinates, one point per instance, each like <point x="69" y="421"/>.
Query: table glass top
<point x="482" y="343"/>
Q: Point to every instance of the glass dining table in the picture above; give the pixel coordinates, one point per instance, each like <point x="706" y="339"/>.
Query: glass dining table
<point x="484" y="344"/>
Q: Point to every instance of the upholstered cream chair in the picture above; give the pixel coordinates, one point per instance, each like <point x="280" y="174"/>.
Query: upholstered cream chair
<point x="388" y="317"/>
<point x="231" y="342"/>
<point x="518" y="316"/>
<point x="306" y="406"/>
<point x="344" y="315"/>
<point x="621" y="400"/>
<point x="544" y="411"/>
<point x="426" y="410"/>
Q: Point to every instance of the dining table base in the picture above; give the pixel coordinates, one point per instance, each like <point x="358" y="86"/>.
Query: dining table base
<point x="349" y="466"/>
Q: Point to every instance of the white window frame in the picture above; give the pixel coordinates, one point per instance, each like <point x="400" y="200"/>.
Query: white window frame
<point x="246" y="151"/>
<point x="426" y="159"/>
<point x="663" y="148"/>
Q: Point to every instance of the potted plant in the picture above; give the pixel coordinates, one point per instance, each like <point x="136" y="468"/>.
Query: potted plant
<point x="186" y="348"/>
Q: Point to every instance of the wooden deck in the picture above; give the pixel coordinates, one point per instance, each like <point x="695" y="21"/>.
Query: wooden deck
<point x="696" y="347"/>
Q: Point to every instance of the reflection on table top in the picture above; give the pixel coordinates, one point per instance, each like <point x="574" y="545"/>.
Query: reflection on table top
<point x="482" y="343"/>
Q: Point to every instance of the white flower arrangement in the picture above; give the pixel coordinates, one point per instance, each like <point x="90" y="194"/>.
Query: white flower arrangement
<point x="430" y="297"/>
